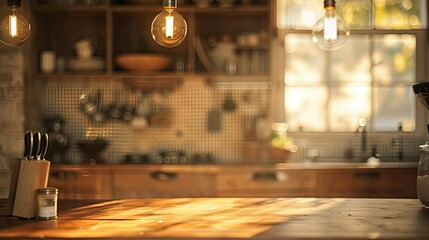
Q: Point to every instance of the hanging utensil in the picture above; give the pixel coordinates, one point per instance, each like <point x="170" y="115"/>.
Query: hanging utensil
<point x="88" y="104"/>
<point x="115" y="110"/>
<point x="37" y="136"/>
<point x="229" y="104"/>
<point x="214" y="117"/>
<point x="140" y="120"/>
<point x="127" y="111"/>
<point x="28" y="144"/>
<point x="99" y="115"/>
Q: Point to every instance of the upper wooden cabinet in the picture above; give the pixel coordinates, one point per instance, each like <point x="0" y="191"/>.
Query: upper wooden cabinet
<point x="124" y="27"/>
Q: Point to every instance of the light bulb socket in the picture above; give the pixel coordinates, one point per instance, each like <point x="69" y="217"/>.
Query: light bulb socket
<point x="14" y="3"/>
<point x="169" y="4"/>
<point x="329" y="4"/>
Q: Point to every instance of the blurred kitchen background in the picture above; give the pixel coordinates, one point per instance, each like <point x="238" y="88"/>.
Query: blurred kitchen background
<point x="224" y="87"/>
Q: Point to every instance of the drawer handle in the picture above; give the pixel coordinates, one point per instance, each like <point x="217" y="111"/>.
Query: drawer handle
<point x="63" y="175"/>
<point x="163" y="176"/>
<point x="266" y="176"/>
<point x="366" y="175"/>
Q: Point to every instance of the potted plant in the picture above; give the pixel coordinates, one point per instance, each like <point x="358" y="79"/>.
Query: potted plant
<point x="281" y="144"/>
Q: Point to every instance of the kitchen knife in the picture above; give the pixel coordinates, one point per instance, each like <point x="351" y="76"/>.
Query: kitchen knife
<point x="43" y="146"/>
<point x="28" y="144"/>
<point x="37" y="136"/>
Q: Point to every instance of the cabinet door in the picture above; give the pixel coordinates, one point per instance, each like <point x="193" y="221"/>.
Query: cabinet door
<point x="290" y="183"/>
<point x="81" y="184"/>
<point x="368" y="183"/>
<point x="162" y="184"/>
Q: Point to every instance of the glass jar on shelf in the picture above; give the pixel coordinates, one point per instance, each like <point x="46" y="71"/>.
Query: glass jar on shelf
<point x="423" y="175"/>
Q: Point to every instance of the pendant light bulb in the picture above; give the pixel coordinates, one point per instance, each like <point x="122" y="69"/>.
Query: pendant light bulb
<point x="331" y="31"/>
<point x="169" y="28"/>
<point x="14" y="28"/>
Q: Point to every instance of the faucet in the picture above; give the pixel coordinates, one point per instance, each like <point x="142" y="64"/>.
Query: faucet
<point x="362" y="129"/>
<point x="399" y="143"/>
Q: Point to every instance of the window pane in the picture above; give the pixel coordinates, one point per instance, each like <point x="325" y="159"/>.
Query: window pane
<point x="352" y="62"/>
<point x="400" y="14"/>
<point x="304" y="62"/>
<point x="356" y="13"/>
<point x="303" y="14"/>
<point x="389" y="14"/>
<point x="394" y="58"/>
<point x="305" y="108"/>
<point x="298" y="14"/>
<point x="347" y="105"/>
<point x="394" y="105"/>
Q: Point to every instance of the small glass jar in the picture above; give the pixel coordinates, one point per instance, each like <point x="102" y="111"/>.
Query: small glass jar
<point x="47" y="199"/>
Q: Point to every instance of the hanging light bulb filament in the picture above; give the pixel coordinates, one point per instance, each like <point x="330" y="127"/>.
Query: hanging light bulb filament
<point x="13" y="31"/>
<point x="169" y="26"/>
<point x="330" y="31"/>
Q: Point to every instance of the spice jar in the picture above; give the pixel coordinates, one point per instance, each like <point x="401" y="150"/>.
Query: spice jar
<point x="47" y="199"/>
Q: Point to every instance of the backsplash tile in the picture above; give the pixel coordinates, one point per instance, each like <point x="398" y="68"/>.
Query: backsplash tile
<point x="189" y="103"/>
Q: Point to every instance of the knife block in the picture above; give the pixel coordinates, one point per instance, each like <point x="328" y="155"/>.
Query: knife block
<point x="27" y="177"/>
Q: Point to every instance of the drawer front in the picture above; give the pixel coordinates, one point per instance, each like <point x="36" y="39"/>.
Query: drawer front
<point x="395" y="183"/>
<point x="81" y="184"/>
<point x="290" y="183"/>
<point x="400" y="183"/>
<point x="163" y="184"/>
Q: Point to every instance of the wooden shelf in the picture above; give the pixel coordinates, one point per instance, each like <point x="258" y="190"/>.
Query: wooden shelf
<point x="126" y="28"/>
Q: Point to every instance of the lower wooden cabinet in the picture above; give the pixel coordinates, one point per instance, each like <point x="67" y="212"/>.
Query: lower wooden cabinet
<point x="162" y="184"/>
<point x="141" y="182"/>
<point x="285" y="183"/>
<point x="81" y="184"/>
<point x="381" y="183"/>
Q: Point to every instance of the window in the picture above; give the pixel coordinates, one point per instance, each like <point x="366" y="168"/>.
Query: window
<point x="371" y="76"/>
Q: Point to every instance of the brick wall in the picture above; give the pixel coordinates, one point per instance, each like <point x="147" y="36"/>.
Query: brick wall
<point x="11" y="105"/>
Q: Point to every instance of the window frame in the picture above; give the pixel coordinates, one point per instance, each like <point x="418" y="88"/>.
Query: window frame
<point x="278" y="55"/>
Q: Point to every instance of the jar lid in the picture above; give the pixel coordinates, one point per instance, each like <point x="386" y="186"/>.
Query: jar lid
<point x="47" y="190"/>
<point x="425" y="147"/>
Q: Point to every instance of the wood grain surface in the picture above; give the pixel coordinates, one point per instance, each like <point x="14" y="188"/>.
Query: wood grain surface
<point x="232" y="218"/>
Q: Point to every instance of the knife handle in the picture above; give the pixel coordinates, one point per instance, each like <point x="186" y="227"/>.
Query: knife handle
<point x="28" y="144"/>
<point x="37" y="137"/>
<point x="44" y="146"/>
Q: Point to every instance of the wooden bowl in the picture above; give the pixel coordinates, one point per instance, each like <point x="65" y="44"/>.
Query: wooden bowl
<point x="143" y="61"/>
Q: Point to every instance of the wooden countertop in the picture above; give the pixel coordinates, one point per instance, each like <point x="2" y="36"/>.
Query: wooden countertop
<point x="231" y="218"/>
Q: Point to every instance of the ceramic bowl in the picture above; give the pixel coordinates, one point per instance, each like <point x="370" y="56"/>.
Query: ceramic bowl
<point x="143" y="61"/>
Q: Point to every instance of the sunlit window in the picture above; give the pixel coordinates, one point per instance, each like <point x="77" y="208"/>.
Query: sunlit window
<point x="371" y="76"/>
<point x="359" y="14"/>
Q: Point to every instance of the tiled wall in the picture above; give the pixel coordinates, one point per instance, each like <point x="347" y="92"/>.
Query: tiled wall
<point x="190" y="102"/>
<point x="333" y="149"/>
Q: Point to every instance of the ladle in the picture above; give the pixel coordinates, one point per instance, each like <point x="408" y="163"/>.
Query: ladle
<point x="99" y="116"/>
